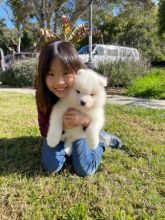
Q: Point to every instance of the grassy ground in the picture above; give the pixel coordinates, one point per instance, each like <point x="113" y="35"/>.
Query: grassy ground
<point x="151" y="85"/>
<point x="128" y="185"/>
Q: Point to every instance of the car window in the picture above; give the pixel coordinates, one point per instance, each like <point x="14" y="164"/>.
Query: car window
<point x="135" y="52"/>
<point x="125" y="52"/>
<point x="99" y="51"/>
<point x="24" y="55"/>
<point x="85" y="50"/>
<point x="112" y="51"/>
<point x="128" y="52"/>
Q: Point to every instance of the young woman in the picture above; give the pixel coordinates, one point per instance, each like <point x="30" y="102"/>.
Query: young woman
<point x="57" y="68"/>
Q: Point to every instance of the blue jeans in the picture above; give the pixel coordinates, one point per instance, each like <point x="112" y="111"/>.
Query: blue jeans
<point x="85" y="160"/>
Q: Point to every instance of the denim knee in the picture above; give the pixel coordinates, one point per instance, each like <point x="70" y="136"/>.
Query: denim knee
<point x="52" y="159"/>
<point x="85" y="160"/>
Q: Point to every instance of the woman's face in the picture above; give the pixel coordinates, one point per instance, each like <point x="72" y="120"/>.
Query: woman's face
<point x="58" y="79"/>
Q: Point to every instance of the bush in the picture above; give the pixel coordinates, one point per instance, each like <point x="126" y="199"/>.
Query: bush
<point x="122" y="74"/>
<point x="151" y="85"/>
<point x="20" y="74"/>
<point x="159" y="60"/>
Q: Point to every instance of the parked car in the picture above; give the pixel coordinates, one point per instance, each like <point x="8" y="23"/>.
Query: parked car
<point x="24" y="55"/>
<point x="11" y="58"/>
<point x="109" y="53"/>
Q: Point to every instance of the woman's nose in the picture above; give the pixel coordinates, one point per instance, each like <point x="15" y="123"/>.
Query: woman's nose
<point x="59" y="81"/>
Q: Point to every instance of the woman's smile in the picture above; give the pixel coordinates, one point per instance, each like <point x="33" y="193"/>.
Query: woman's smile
<point x="59" y="80"/>
<point x="61" y="89"/>
<point x="61" y="92"/>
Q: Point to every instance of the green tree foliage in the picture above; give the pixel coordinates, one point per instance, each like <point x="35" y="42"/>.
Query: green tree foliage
<point x="29" y="37"/>
<point x="134" y="25"/>
<point x="161" y="16"/>
<point x="2" y="37"/>
<point x="44" y="11"/>
<point x="2" y="25"/>
<point x="8" y="39"/>
<point x="21" y="11"/>
<point x="124" y="22"/>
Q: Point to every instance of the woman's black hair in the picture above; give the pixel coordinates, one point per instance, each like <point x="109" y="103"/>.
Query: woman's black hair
<point x="66" y="53"/>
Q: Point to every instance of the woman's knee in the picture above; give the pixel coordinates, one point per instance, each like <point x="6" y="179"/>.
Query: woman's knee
<point x="51" y="165"/>
<point x="52" y="159"/>
<point x="85" y="161"/>
<point x="84" y="171"/>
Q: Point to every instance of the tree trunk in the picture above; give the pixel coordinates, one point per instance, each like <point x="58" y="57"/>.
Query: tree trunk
<point x="19" y="44"/>
<point x="55" y="22"/>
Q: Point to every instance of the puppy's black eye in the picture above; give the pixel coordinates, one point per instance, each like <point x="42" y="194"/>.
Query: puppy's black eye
<point x="78" y="91"/>
<point x="92" y="94"/>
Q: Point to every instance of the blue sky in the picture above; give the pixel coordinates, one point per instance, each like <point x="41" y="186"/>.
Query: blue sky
<point x="6" y="13"/>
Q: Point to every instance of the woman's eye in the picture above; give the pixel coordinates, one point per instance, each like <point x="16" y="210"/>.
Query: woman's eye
<point x="50" y="74"/>
<point x="92" y="94"/>
<point x="78" y="91"/>
<point x="66" y="73"/>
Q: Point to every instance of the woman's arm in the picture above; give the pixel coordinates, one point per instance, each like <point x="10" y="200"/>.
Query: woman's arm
<point x="71" y="119"/>
<point x="43" y="122"/>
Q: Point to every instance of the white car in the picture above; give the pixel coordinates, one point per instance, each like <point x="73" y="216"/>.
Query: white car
<point x="8" y="60"/>
<point x="108" y="53"/>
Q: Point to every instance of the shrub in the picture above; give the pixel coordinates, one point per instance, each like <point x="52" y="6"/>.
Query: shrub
<point x="151" y="85"/>
<point x="20" y="74"/>
<point x="122" y="74"/>
<point x="158" y="60"/>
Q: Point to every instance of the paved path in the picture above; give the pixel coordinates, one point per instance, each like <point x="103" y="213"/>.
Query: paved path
<point x="124" y="100"/>
<point x="113" y="99"/>
<point x="18" y="90"/>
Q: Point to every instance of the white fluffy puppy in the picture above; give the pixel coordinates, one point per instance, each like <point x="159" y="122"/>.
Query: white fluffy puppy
<point x="87" y="96"/>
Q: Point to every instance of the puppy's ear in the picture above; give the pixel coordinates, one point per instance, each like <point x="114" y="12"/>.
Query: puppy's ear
<point x="103" y="81"/>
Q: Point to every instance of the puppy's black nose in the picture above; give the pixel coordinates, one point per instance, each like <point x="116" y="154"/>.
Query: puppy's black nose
<point x="82" y="102"/>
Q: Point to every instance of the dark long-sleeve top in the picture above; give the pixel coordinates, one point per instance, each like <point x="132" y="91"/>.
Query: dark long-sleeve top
<point x="43" y="122"/>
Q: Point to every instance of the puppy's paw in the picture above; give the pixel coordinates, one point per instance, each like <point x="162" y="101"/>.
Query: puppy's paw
<point x="68" y="148"/>
<point x="52" y="141"/>
<point x="93" y="142"/>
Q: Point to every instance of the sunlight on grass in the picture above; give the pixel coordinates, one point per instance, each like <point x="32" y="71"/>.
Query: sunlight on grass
<point x="151" y="85"/>
<point x="128" y="185"/>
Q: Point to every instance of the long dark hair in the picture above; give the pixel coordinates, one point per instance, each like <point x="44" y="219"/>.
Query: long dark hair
<point x="67" y="55"/>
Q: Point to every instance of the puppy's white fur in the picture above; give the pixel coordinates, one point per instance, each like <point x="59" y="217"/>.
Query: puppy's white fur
<point x="87" y="96"/>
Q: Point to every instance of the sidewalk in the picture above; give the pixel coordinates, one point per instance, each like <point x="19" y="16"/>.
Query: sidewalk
<point x="18" y="90"/>
<point x="113" y="99"/>
<point x="124" y="100"/>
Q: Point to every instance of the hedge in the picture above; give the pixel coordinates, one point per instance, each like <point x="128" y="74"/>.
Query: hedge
<point x="20" y="74"/>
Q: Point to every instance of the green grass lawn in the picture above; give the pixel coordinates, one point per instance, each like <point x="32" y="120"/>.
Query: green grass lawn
<point x="151" y="85"/>
<point x="128" y="185"/>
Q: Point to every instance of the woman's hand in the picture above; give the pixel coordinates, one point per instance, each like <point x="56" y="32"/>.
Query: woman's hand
<point x="73" y="118"/>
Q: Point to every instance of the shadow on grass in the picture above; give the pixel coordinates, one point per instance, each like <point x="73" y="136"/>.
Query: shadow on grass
<point x="20" y="155"/>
